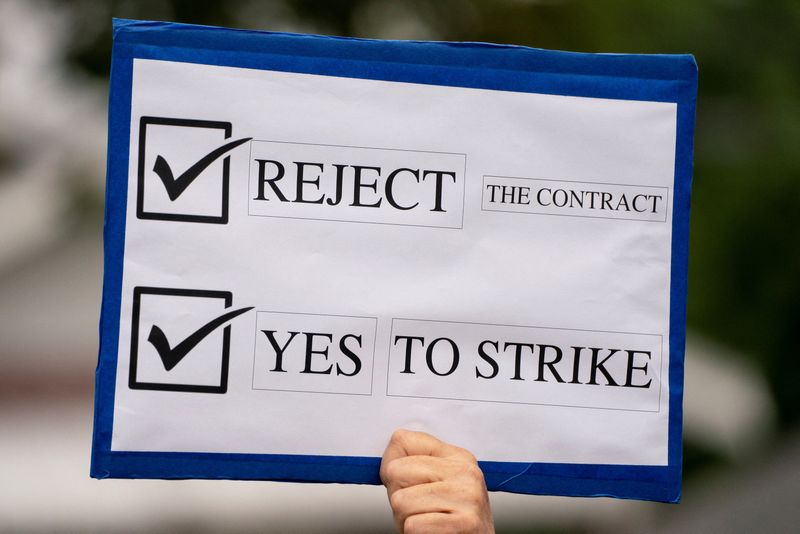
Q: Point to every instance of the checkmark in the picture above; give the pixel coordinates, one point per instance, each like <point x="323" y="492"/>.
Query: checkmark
<point x="176" y="186"/>
<point x="170" y="357"/>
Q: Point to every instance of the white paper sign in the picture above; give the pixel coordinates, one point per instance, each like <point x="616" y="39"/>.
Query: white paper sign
<point x="500" y="272"/>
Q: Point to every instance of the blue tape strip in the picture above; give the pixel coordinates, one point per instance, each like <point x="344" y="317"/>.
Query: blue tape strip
<point x="661" y="78"/>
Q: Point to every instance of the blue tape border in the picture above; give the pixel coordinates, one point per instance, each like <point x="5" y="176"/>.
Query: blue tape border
<point x="660" y="78"/>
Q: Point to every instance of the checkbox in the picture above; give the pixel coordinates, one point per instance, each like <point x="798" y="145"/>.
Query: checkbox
<point x="180" y="339"/>
<point x="184" y="170"/>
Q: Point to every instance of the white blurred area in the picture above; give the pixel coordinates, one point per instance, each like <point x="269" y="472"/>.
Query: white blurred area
<point x="53" y="133"/>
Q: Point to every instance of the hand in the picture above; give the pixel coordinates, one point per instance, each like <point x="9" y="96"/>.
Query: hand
<point x="434" y="486"/>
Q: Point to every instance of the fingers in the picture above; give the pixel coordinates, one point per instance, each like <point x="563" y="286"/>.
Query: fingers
<point x="414" y="470"/>
<point x="434" y="486"/>
<point x="460" y="504"/>
<point x="444" y="523"/>
<point x="411" y="443"/>
<point x="445" y="496"/>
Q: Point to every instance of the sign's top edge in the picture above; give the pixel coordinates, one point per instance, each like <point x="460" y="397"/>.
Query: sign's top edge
<point x="681" y="67"/>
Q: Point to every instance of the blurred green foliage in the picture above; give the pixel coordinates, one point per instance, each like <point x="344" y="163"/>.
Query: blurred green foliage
<point x="744" y="264"/>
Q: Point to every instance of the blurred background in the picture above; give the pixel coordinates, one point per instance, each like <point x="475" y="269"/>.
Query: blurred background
<point x="742" y="401"/>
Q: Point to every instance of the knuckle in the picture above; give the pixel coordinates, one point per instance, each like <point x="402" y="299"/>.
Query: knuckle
<point x="468" y="456"/>
<point x="385" y="472"/>
<point x="413" y="525"/>
<point x="474" y="471"/>
<point x="470" y="471"/>
<point x="474" y="502"/>
<point x="397" y="500"/>
<point x="392" y="471"/>
<point x="471" y="523"/>
<point x="400" y="435"/>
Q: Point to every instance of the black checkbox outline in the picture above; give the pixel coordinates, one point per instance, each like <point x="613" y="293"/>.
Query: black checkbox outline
<point x="227" y="127"/>
<point x="133" y="383"/>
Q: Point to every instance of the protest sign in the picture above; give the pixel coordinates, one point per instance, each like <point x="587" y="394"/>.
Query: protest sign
<point x="313" y="241"/>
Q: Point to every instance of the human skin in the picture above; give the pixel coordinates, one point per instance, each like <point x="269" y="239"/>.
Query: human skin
<point x="434" y="486"/>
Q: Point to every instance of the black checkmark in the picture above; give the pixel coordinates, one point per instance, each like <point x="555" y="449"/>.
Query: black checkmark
<point x="170" y="357"/>
<point x="176" y="186"/>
